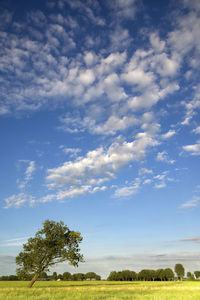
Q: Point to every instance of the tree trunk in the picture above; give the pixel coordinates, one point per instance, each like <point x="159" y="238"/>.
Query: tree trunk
<point x="35" y="277"/>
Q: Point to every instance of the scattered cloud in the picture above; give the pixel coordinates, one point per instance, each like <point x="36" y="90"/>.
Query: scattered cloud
<point x="144" y="171"/>
<point x="73" y="152"/>
<point x="191" y="203"/>
<point x="129" y="190"/>
<point x="194" y="239"/>
<point x="193" y="149"/>
<point x="168" y="134"/>
<point x="28" y="174"/>
<point x="19" y="200"/>
<point x="196" y="130"/>
<point x="163" y="156"/>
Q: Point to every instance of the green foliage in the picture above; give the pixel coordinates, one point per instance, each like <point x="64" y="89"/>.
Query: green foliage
<point x="53" y="244"/>
<point x="197" y="274"/>
<point x="92" y="276"/>
<point x="9" y="278"/>
<point x="67" y="276"/>
<point x="180" y="271"/>
<point x="143" y="275"/>
<point x="124" y="275"/>
<point x="78" y="277"/>
<point x="190" y="276"/>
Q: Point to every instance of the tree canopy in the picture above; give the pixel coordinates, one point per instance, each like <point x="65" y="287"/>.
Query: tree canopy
<point x="53" y="244"/>
<point x="180" y="271"/>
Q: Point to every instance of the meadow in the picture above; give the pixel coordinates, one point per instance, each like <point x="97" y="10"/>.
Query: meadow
<point x="99" y="290"/>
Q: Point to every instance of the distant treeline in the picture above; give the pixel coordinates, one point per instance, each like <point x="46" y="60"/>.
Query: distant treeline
<point x="65" y="276"/>
<point x="153" y="275"/>
<point x="125" y="275"/>
<point x="147" y="275"/>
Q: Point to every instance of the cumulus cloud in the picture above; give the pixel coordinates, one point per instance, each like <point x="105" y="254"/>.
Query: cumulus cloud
<point x="124" y="9"/>
<point x="163" y="156"/>
<point x="18" y="200"/>
<point x="128" y="191"/>
<point x="197" y="130"/>
<point x="168" y="134"/>
<point x="99" y="165"/>
<point x="193" y="149"/>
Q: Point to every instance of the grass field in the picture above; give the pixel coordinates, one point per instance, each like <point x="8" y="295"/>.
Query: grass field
<point x="97" y="290"/>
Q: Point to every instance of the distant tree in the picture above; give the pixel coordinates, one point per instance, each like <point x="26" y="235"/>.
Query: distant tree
<point x="180" y="271"/>
<point x="54" y="276"/>
<point x="43" y="275"/>
<point x="67" y="276"/>
<point x="9" y="278"/>
<point x="190" y="276"/>
<point x="167" y="274"/>
<point x="197" y="274"/>
<point x="92" y="276"/>
<point x="112" y="276"/>
<point x="52" y="244"/>
<point x="159" y="274"/>
<point x="147" y="275"/>
<point x="78" y="277"/>
<point x="128" y="275"/>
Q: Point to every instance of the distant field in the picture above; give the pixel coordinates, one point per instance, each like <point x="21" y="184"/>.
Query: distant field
<point x="98" y="290"/>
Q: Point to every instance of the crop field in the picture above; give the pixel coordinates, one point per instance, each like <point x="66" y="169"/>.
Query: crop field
<point x="97" y="290"/>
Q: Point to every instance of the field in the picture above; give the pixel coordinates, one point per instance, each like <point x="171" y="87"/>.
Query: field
<point x="99" y="290"/>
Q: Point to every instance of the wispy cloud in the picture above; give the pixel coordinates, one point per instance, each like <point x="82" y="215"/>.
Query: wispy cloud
<point x="193" y="239"/>
<point x="163" y="156"/>
<point x="191" y="203"/>
<point x="128" y="190"/>
<point x="168" y="134"/>
<point x="13" y="242"/>
<point x="18" y="200"/>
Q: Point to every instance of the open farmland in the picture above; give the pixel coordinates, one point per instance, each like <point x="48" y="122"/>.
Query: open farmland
<point x="100" y="290"/>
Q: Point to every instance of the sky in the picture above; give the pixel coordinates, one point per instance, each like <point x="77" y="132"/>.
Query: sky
<point x="100" y="128"/>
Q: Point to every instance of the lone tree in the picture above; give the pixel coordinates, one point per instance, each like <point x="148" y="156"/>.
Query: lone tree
<point x="197" y="274"/>
<point x="53" y="244"/>
<point x="180" y="271"/>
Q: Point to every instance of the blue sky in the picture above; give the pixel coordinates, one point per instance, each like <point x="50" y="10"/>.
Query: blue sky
<point x="100" y="128"/>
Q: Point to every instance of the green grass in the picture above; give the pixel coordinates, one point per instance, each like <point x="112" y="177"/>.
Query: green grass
<point x="100" y="290"/>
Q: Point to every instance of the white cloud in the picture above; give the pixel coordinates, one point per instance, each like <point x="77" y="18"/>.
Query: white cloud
<point x="73" y="152"/>
<point x="156" y="43"/>
<point x="160" y="185"/>
<point x="28" y="173"/>
<point x="197" y="130"/>
<point x="193" y="149"/>
<point x="86" y="77"/>
<point x="19" y="200"/>
<point x="98" y="165"/>
<point x="168" y="134"/>
<point x="124" y="9"/>
<point x="163" y="156"/>
<point x="114" y="124"/>
<point x="143" y="171"/>
<point x="127" y="191"/>
<point x="147" y="181"/>
<point x="191" y="203"/>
